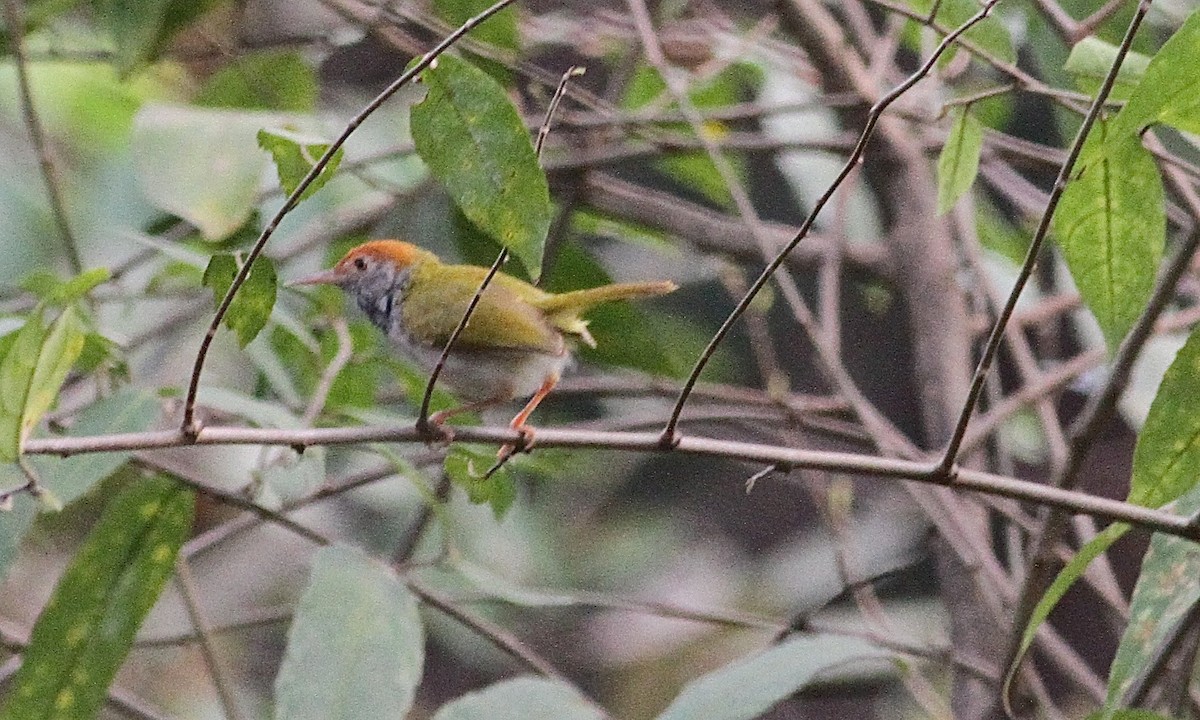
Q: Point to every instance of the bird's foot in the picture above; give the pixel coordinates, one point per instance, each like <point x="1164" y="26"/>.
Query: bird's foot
<point x="508" y="450"/>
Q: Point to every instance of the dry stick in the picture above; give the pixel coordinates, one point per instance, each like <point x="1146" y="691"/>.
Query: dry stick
<point x="993" y="343"/>
<point x="423" y="416"/>
<point x="13" y="18"/>
<point x="187" y="588"/>
<point x="669" y="433"/>
<point x="190" y="426"/>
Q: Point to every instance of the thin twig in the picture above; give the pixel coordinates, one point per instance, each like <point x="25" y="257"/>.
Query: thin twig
<point x="345" y="350"/>
<point x="187" y="589"/>
<point x="14" y="19"/>
<point x="873" y="115"/>
<point x="1060" y="183"/>
<point x="189" y="425"/>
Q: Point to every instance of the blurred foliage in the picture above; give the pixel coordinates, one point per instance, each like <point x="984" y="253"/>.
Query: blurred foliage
<point x="176" y="130"/>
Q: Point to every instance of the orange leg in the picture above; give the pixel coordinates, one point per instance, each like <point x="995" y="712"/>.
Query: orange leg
<point x="518" y="422"/>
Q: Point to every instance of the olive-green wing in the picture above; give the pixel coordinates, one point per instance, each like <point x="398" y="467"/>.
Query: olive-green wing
<point x="502" y="319"/>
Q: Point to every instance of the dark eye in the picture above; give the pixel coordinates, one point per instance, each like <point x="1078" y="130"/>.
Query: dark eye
<point x="360" y="263"/>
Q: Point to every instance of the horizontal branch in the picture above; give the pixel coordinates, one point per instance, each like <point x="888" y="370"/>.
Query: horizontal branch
<point x="784" y="458"/>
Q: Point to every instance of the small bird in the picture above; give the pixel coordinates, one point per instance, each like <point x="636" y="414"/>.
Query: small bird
<point x="516" y="344"/>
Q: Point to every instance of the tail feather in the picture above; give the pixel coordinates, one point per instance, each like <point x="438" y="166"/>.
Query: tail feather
<point x="580" y="300"/>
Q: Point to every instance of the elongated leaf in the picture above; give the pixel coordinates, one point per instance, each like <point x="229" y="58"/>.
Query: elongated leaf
<point x="32" y="373"/>
<point x="959" y="162"/>
<point x="265" y="80"/>
<point x="201" y="164"/>
<point x="1062" y="583"/>
<point x="251" y="307"/>
<point x="1166" y="93"/>
<point x="747" y="688"/>
<point x="87" y="628"/>
<point x="295" y="155"/>
<point x="1090" y="60"/>
<point x="49" y="287"/>
<point x="1111" y="226"/>
<point x="472" y="138"/>
<point x="1166" y="462"/>
<point x="1167" y="588"/>
<point x="525" y="698"/>
<point x="356" y="645"/>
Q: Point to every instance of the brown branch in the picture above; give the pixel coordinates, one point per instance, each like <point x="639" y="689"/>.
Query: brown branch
<point x="784" y="457"/>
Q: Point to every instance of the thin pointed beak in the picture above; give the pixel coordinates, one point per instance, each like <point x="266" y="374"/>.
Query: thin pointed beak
<point x="325" y="277"/>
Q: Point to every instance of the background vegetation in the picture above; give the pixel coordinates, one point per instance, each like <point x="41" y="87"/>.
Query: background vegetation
<point x="916" y="437"/>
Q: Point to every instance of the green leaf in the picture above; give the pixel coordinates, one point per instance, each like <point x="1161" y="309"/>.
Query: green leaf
<point x="1167" y="93"/>
<point x="500" y="29"/>
<point x="746" y="688"/>
<point x="989" y="35"/>
<point x="180" y="154"/>
<point x="523" y="698"/>
<point x="128" y="410"/>
<point x="88" y="626"/>
<point x="1111" y="226"/>
<point x="295" y="155"/>
<point x="264" y="80"/>
<point x="1091" y="59"/>
<point x="47" y="285"/>
<point x="466" y="465"/>
<point x="141" y="29"/>
<point x="1166" y="461"/>
<point x="251" y="307"/>
<point x="356" y="646"/>
<point x="31" y="374"/>
<point x="1167" y="589"/>
<point x="474" y="142"/>
<point x="959" y="162"/>
<point x="1062" y="583"/>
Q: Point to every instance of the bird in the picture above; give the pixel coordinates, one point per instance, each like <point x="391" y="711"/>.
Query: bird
<point x="516" y="344"/>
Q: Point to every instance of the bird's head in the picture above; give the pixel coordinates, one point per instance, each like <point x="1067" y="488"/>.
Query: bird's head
<point x="371" y="269"/>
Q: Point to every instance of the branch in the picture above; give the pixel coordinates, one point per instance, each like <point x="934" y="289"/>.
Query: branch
<point x="784" y="457"/>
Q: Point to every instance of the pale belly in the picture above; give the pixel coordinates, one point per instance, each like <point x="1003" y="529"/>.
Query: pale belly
<point x="492" y="374"/>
